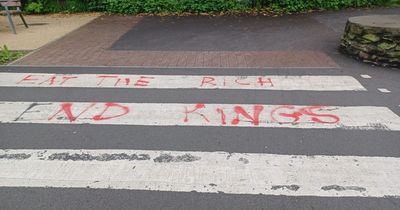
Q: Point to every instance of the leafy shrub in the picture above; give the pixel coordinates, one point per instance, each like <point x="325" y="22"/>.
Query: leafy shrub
<point x="123" y="6"/>
<point x="169" y="6"/>
<point x="304" y="5"/>
<point x="97" y="5"/>
<point x="54" y="6"/>
<point x="34" y="7"/>
<point x="196" y="6"/>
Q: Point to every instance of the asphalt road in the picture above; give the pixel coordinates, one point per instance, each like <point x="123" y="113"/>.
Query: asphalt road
<point x="285" y="141"/>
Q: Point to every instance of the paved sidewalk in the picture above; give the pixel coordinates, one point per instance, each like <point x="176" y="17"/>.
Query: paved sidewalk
<point x="296" y="41"/>
<point x="91" y="46"/>
<point x="42" y="29"/>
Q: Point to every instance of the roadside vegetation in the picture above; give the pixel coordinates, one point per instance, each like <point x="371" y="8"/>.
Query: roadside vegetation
<point x="179" y="7"/>
<point x="7" y="56"/>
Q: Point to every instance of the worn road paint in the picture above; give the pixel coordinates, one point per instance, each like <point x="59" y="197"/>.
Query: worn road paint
<point x="384" y="90"/>
<point x="206" y="172"/>
<point x="365" y="76"/>
<point x="309" y="83"/>
<point x="169" y="114"/>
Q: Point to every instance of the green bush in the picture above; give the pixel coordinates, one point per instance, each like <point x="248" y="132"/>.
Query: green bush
<point x="304" y="5"/>
<point x="199" y="6"/>
<point x="97" y="5"/>
<point x="171" y="6"/>
<point x="34" y="7"/>
<point x="195" y="6"/>
<point x="122" y="6"/>
<point x="54" y="6"/>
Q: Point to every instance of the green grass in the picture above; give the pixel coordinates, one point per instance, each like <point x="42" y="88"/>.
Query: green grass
<point x="8" y="56"/>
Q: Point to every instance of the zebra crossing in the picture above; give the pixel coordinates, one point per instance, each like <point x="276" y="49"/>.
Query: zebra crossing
<point x="243" y="115"/>
<point x="270" y="82"/>
<point x="206" y="172"/>
<point x="242" y="173"/>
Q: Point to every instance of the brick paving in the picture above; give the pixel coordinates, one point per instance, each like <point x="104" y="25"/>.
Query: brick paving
<point x="90" y="46"/>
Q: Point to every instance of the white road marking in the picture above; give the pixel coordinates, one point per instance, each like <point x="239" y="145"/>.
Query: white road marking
<point x="206" y="172"/>
<point x="171" y="114"/>
<point x="384" y="90"/>
<point x="268" y="82"/>
<point x="365" y="76"/>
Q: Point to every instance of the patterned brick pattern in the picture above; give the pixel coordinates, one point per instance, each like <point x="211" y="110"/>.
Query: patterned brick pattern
<point x="89" y="46"/>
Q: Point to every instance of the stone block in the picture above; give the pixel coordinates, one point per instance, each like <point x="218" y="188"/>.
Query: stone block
<point x="373" y="39"/>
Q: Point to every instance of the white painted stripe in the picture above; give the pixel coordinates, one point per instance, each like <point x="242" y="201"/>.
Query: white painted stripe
<point x="384" y="90"/>
<point x="207" y="172"/>
<point x="257" y="115"/>
<point x="310" y="83"/>
<point x="365" y="76"/>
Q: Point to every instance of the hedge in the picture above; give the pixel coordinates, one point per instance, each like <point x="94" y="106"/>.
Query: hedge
<point x="195" y="6"/>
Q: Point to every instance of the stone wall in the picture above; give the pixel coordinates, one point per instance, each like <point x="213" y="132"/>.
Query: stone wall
<point x="375" y="45"/>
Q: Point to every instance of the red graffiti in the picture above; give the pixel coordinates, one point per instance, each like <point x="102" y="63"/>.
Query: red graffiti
<point x="104" y="77"/>
<point x="126" y="81"/>
<point x="194" y="111"/>
<point x="255" y="119"/>
<point x="49" y="80"/>
<point x="293" y="115"/>
<point x="257" y="114"/>
<point x="262" y="81"/>
<point x="239" y="111"/>
<point x="143" y="81"/>
<point x="67" y="78"/>
<point x="208" y="80"/>
<point x="28" y="78"/>
<point x="238" y="81"/>
<point x="66" y="108"/>
<point x="212" y="114"/>
<point x="223" y="116"/>
<point x="119" y="80"/>
<point x="212" y="81"/>
<point x="108" y="105"/>
<point x="319" y="118"/>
